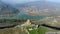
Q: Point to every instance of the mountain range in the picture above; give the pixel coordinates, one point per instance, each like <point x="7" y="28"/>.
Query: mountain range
<point x="40" y="8"/>
<point x="6" y="10"/>
<point x="31" y="9"/>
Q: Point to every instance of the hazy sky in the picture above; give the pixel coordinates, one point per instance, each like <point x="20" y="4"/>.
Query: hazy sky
<point x="17" y="1"/>
<point x="23" y="1"/>
<point x="54" y="0"/>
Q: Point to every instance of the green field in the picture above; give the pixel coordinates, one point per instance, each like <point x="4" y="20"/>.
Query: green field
<point x="42" y="30"/>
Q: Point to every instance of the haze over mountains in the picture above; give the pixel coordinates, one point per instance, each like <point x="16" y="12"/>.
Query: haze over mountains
<point x="40" y="8"/>
<point x="7" y="10"/>
<point x="37" y="8"/>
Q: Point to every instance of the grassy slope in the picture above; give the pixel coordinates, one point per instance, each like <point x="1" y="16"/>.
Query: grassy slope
<point x="41" y="30"/>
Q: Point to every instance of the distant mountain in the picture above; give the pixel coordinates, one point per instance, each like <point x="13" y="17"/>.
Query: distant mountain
<point x="39" y="8"/>
<point x="6" y="10"/>
<point x="31" y="9"/>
